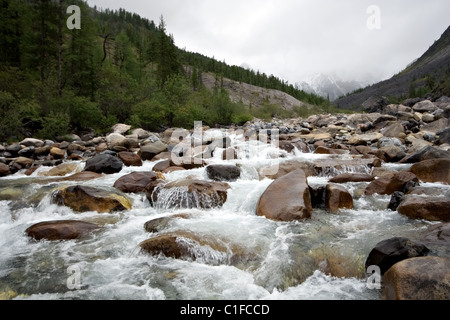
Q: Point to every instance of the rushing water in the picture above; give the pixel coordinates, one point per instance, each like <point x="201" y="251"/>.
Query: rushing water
<point x="276" y="260"/>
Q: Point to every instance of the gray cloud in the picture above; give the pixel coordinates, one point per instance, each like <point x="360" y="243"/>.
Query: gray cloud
<point x="294" y="39"/>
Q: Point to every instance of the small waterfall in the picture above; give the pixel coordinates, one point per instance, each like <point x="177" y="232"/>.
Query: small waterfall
<point x="182" y="198"/>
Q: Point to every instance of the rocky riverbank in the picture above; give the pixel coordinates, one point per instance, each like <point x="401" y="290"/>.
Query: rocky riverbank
<point x="414" y="134"/>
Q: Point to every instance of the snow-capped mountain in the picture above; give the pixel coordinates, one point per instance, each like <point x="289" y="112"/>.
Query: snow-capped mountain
<point x="329" y="86"/>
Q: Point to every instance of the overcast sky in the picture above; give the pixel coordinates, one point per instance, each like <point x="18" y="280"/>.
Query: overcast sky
<point x="295" y="39"/>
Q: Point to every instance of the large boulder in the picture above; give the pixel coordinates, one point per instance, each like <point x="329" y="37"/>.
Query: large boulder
<point x="375" y="104"/>
<point x="428" y="208"/>
<point x="391" y="182"/>
<point x="221" y="172"/>
<point x="188" y="193"/>
<point x="426" y="153"/>
<point x="104" y="163"/>
<point x="337" y="197"/>
<point x="130" y="159"/>
<point x="421" y="278"/>
<point x="135" y="182"/>
<point x="61" y="230"/>
<point x="150" y="150"/>
<point x="278" y="170"/>
<point x="83" y="199"/>
<point x="287" y="198"/>
<point x="434" y="170"/>
<point x="390" y="251"/>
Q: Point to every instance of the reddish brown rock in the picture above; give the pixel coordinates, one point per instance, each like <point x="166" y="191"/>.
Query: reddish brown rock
<point x="135" y="182"/>
<point x="433" y="170"/>
<point x="287" y="198"/>
<point x="352" y="177"/>
<point x="421" y="278"/>
<point x="61" y="230"/>
<point x="337" y="197"/>
<point x="390" y="183"/>
<point x="429" y="208"/>
<point x="130" y="159"/>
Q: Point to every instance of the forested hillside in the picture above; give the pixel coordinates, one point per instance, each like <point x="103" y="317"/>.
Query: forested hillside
<point x="118" y="67"/>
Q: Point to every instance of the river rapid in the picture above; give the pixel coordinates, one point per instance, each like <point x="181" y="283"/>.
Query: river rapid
<point x="319" y="258"/>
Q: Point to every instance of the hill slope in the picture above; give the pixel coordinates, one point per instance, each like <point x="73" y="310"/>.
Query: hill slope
<point x="428" y="74"/>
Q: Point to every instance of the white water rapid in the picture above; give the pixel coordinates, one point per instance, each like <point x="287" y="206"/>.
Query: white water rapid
<point x="271" y="261"/>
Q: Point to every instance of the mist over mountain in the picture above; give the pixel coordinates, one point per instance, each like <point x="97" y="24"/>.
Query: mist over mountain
<point x="331" y="86"/>
<point x="428" y="76"/>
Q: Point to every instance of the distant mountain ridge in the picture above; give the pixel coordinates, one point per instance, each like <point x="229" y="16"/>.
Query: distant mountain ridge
<point x="428" y="75"/>
<point x="329" y="86"/>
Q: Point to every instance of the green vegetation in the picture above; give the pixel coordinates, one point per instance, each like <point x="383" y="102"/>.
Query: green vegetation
<point x="118" y="67"/>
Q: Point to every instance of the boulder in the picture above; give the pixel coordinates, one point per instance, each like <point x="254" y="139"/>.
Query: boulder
<point x="158" y="224"/>
<point x="135" y="182"/>
<point x="104" y="163"/>
<point x="276" y="171"/>
<point x="115" y="140"/>
<point x="352" y="177"/>
<point x="130" y="159"/>
<point x="61" y="230"/>
<point x="287" y="198"/>
<point x="424" y="106"/>
<point x="421" y="278"/>
<point x="83" y="199"/>
<point x="364" y="139"/>
<point x="437" y="235"/>
<point x="57" y="153"/>
<point x="434" y="170"/>
<point x="427" y="153"/>
<point x="162" y="165"/>
<point x="219" y="172"/>
<point x="337" y="197"/>
<point x="32" y="142"/>
<point x="375" y="104"/>
<point x="188" y="193"/>
<point x="4" y="170"/>
<point x="150" y="150"/>
<point x="61" y="170"/>
<point x="82" y="176"/>
<point x="428" y="208"/>
<point x="390" y="251"/>
<point x="120" y="128"/>
<point x="391" y="182"/>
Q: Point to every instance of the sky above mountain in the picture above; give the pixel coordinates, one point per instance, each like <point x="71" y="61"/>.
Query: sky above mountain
<point x="295" y="39"/>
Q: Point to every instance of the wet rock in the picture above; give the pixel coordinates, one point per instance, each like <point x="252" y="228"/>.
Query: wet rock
<point x="159" y="224"/>
<point x="61" y="230"/>
<point x="434" y="170"/>
<point x="396" y="198"/>
<point x="390" y="251"/>
<point x="287" y="198"/>
<point x="352" y="177"/>
<point x="84" y="199"/>
<point x="23" y="162"/>
<point x="26" y="152"/>
<point x="437" y="235"/>
<point x="57" y="153"/>
<point x="220" y="172"/>
<point x="364" y="139"/>
<point x="426" y="153"/>
<point x="391" y="182"/>
<point x="278" y="170"/>
<point x="421" y="278"/>
<point x="337" y="197"/>
<point x="162" y="165"/>
<point x="130" y="159"/>
<point x="82" y="176"/>
<point x="135" y="182"/>
<point x="428" y="208"/>
<point x="4" y="170"/>
<point x="104" y="163"/>
<point x="188" y="193"/>
<point x="61" y="170"/>
<point x="150" y="150"/>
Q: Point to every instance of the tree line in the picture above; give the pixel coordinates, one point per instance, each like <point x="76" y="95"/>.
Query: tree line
<point x="118" y="67"/>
